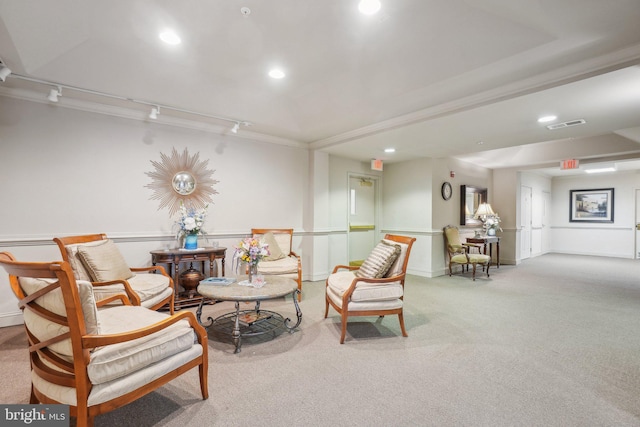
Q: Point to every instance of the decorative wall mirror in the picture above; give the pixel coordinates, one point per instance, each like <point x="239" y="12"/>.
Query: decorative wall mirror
<point x="181" y="178"/>
<point x="470" y="198"/>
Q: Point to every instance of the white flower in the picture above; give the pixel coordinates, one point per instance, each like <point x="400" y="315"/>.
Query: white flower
<point x="189" y="223"/>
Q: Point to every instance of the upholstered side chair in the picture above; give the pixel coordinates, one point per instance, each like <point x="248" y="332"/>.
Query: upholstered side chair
<point x="460" y="253"/>
<point x="98" y="360"/>
<point x="375" y="288"/>
<point x="282" y="261"/>
<point x="95" y="258"/>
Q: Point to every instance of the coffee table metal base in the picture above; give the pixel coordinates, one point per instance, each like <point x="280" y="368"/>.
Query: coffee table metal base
<point x="230" y="324"/>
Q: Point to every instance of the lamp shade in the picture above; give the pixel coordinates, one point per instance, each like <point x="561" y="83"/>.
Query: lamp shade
<point x="484" y="210"/>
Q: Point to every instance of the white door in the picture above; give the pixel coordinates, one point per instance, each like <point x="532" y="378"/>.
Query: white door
<point x="362" y="217"/>
<point x="525" y="222"/>
<point x="637" y="255"/>
<point x="546" y="222"/>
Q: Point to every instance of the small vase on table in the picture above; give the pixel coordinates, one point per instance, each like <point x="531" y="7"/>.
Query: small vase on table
<point x="191" y="241"/>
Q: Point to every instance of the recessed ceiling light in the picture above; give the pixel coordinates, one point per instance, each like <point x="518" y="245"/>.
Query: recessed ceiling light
<point x="547" y="119"/>
<point x="369" y="7"/>
<point x="170" y="37"/>
<point x="389" y="150"/>
<point x="480" y="142"/>
<point x="600" y="170"/>
<point x="276" y="74"/>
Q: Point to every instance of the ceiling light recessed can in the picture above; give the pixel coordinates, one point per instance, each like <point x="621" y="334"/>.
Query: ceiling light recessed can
<point x="389" y="150"/>
<point x="369" y="7"/>
<point x="276" y="73"/>
<point x="547" y="119"/>
<point x="170" y="37"/>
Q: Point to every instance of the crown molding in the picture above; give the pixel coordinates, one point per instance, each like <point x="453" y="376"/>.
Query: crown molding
<point x="581" y="70"/>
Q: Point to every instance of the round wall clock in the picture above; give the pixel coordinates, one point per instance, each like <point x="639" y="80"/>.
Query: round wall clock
<point x="446" y="190"/>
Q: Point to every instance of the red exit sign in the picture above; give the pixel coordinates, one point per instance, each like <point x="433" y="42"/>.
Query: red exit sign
<point x="569" y="164"/>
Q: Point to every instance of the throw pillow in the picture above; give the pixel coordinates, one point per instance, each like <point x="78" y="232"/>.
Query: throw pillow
<point x="104" y="262"/>
<point x="275" y="253"/>
<point x="379" y="260"/>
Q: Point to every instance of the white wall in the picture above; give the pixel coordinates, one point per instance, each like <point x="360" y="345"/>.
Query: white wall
<point x="603" y="239"/>
<point x="67" y="172"/>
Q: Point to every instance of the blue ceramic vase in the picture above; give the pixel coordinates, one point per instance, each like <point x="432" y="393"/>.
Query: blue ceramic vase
<point x="191" y="241"/>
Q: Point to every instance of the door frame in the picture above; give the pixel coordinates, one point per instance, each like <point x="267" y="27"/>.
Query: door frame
<point x="377" y="204"/>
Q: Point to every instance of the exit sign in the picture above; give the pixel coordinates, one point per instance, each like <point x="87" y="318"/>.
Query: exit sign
<point x="569" y="164"/>
<point x="376" y="164"/>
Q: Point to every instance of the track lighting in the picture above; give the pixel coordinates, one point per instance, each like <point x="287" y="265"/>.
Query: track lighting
<point x="54" y="94"/>
<point x="4" y="71"/>
<point x="155" y="108"/>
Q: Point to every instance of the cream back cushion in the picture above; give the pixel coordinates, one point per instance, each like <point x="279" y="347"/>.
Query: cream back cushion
<point x="44" y="329"/>
<point x="379" y="260"/>
<point x="396" y="267"/>
<point x="79" y="271"/>
<point x="104" y="262"/>
<point x="275" y="251"/>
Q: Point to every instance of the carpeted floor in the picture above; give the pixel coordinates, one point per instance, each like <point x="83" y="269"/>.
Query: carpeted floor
<point x="554" y="341"/>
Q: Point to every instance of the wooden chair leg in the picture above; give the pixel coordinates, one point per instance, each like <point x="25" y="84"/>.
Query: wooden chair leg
<point x="344" y="327"/>
<point x="404" y="331"/>
<point x="326" y="306"/>
<point x="474" y="272"/>
<point x="204" y="388"/>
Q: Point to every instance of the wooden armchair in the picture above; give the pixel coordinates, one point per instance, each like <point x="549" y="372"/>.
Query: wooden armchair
<point x="459" y="253"/>
<point x="283" y="261"/>
<point x="376" y="288"/>
<point x="95" y="258"/>
<point x="98" y="360"/>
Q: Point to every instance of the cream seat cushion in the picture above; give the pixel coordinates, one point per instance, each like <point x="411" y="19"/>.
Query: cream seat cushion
<point x="286" y="265"/>
<point x="146" y="285"/>
<point x="339" y="282"/>
<point x="473" y="259"/>
<point x="119" y="360"/>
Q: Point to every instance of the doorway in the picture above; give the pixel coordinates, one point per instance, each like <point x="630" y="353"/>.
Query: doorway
<point x="525" y="222"/>
<point x="363" y="208"/>
<point x="637" y="251"/>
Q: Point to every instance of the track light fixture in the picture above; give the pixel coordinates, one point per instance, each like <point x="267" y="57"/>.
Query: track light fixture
<point x="4" y="71"/>
<point x="155" y="108"/>
<point x="54" y="94"/>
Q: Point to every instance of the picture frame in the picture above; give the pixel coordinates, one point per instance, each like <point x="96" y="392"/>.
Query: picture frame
<point x="594" y="205"/>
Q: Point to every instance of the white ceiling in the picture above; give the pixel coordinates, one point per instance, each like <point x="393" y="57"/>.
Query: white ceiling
<point x="431" y="78"/>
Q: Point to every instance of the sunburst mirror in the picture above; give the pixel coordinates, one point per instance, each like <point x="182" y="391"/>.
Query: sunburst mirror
<point x="181" y="178"/>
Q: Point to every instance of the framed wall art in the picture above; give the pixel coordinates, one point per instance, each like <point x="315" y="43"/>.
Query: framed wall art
<point x="591" y="205"/>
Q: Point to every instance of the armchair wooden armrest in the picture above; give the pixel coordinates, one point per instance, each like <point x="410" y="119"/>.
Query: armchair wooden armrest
<point x="131" y="295"/>
<point x="92" y="341"/>
<point x="344" y="267"/>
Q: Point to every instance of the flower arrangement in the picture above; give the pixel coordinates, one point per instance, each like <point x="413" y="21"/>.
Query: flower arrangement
<point x="191" y="220"/>
<point x="251" y="250"/>
<point x="492" y="224"/>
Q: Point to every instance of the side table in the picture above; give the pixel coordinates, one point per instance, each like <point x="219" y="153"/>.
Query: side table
<point x="174" y="257"/>
<point x="490" y="240"/>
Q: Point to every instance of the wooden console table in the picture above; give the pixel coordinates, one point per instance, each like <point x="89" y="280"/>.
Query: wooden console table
<point x="173" y="257"/>
<point x="484" y="240"/>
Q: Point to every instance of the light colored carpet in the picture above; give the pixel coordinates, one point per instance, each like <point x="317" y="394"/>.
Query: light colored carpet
<point x="554" y="341"/>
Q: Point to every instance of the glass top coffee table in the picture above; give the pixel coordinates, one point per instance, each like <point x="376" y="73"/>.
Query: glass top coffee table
<point x="246" y="323"/>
